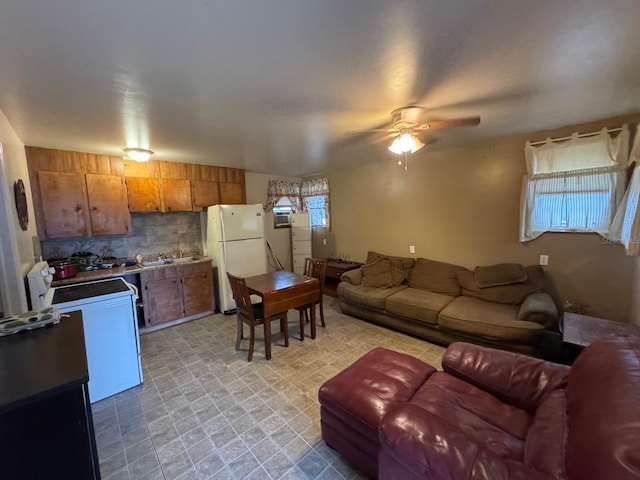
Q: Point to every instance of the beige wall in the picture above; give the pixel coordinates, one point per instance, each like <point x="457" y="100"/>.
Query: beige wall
<point x="461" y="205"/>
<point x="16" y="244"/>
<point x="279" y="238"/>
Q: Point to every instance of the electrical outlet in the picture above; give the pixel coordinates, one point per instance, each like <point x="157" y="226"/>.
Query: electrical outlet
<point x="544" y="259"/>
<point x="412" y="249"/>
<point x="324" y="241"/>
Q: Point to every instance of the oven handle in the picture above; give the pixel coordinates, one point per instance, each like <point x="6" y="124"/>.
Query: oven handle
<point x="134" y="288"/>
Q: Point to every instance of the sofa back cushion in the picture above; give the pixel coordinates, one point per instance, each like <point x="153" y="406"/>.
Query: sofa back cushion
<point x="438" y="277"/>
<point x="381" y="274"/>
<point x="500" y="274"/>
<point x="513" y="294"/>
<point x="603" y="405"/>
<point x="402" y="263"/>
<point x="376" y="274"/>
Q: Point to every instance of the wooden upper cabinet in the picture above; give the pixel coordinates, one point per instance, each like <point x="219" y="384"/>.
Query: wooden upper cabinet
<point x="176" y="195"/>
<point x="64" y="204"/>
<point x="143" y="194"/>
<point x="107" y="205"/>
<point x="232" y="193"/>
<point x="205" y="193"/>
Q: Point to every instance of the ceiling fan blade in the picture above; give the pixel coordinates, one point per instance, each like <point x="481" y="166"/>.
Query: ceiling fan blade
<point x="458" y="122"/>
<point x="373" y="130"/>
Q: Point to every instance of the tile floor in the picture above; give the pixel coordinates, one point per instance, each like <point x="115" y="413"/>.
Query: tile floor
<point x="204" y="412"/>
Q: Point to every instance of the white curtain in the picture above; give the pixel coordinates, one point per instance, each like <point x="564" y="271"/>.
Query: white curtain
<point x="579" y="153"/>
<point x="626" y="224"/>
<point x="574" y="186"/>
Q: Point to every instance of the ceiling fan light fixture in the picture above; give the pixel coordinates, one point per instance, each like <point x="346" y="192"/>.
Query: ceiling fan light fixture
<point x="138" y="154"/>
<point x="406" y="143"/>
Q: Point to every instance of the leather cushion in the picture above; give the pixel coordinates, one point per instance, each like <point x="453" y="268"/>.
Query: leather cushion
<point x="486" y="420"/>
<point x="417" y="304"/>
<point x="603" y="401"/>
<point x="369" y="297"/>
<point x="438" y="277"/>
<point x="495" y="321"/>
<point x="547" y="435"/>
<point x="365" y="391"/>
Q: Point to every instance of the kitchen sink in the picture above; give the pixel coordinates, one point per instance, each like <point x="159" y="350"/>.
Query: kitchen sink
<point x="155" y="263"/>
<point x="181" y="260"/>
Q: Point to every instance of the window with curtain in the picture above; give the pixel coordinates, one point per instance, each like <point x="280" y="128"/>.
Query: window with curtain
<point x="279" y="189"/>
<point x="574" y="186"/>
<point x="625" y="228"/>
<point x="315" y="200"/>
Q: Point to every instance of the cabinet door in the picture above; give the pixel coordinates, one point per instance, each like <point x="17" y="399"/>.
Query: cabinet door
<point x="197" y="290"/>
<point x="107" y="205"/>
<point x="143" y="194"/>
<point x="205" y="193"/>
<point x="231" y="193"/>
<point x="64" y="204"/>
<point x="161" y="295"/>
<point x="176" y="195"/>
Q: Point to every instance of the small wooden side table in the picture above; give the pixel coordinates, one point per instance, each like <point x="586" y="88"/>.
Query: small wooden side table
<point x="580" y="330"/>
<point x="335" y="269"/>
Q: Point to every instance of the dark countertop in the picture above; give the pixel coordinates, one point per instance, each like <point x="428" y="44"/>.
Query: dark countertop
<point x="41" y="362"/>
<point x="103" y="273"/>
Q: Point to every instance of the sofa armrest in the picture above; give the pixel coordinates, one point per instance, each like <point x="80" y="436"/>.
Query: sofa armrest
<point x="539" y="307"/>
<point x="417" y="444"/>
<point x="514" y="378"/>
<point x="354" y="277"/>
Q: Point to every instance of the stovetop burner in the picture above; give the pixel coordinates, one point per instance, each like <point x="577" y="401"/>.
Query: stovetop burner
<point x="88" y="290"/>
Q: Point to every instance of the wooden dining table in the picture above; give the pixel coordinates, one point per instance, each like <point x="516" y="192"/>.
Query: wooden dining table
<point x="281" y="291"/>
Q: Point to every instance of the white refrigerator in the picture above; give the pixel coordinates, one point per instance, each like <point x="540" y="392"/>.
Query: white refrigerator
<point x="235" y="240"/>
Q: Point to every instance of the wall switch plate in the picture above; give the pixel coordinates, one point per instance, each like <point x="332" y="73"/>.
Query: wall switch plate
<point x="544" y="259"/>
<point x="412" y="249"/>
<point x="324" y="241"/>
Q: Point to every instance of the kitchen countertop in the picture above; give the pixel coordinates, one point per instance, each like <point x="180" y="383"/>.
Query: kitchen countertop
<point x="103" y="273"/>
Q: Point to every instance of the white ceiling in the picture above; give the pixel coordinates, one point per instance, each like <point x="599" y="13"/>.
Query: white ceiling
<point x="273" y="86"/>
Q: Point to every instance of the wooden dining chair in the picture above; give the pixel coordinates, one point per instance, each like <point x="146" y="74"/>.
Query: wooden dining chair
<point x="253" y="314"/>
<point x="315" y="268"/>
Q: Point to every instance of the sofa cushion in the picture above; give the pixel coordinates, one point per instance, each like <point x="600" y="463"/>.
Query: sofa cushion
<point x="369" y="297"/>
<point x="376" y="274"/>
<point x="547" y="434"/>
<point x="509" y="294"/>
<point x="397" y="276"/>
<point x="438" y="277"/>
<point x="500" y="274"/>
<point x="486" y="420"/>
<point x="417" y="304"/>
<point x="603" y="401"/>
<point x="403" y="263"/>
<point x="473" y="317"/>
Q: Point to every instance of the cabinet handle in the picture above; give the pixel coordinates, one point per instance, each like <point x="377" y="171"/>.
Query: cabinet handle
<point x="94" y="209"/>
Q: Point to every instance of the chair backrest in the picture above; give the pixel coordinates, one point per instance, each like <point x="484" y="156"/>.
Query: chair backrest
<point x="242" y="296"/>
<point x="316" y="268"/>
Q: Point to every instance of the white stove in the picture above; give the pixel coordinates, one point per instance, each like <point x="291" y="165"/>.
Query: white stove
<point x="110" y="323"/>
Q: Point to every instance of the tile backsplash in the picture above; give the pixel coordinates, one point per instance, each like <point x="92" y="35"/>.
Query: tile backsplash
<point x="153" y="234"/>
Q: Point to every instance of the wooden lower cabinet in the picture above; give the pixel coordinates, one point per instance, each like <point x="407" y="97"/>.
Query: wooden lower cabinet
<point x="161" y="295"/>
<point x="197" y="288"/>
<point x="174" y="292"/>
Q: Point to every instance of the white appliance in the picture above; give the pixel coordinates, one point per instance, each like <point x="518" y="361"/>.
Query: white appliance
<point x="110" y="324"/>
<point x="300" y="240"/>
<point x="235" y="240"/>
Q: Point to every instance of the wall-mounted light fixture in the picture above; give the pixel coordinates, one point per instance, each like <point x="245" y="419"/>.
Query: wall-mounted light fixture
<point x="138" y="154"/>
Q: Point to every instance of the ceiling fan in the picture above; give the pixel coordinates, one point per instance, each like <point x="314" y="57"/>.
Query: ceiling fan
<point x="407" y="124"/>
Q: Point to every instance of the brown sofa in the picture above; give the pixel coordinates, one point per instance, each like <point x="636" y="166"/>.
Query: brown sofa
<point x="501" y="306"/>
<point x="490" y="415"/>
